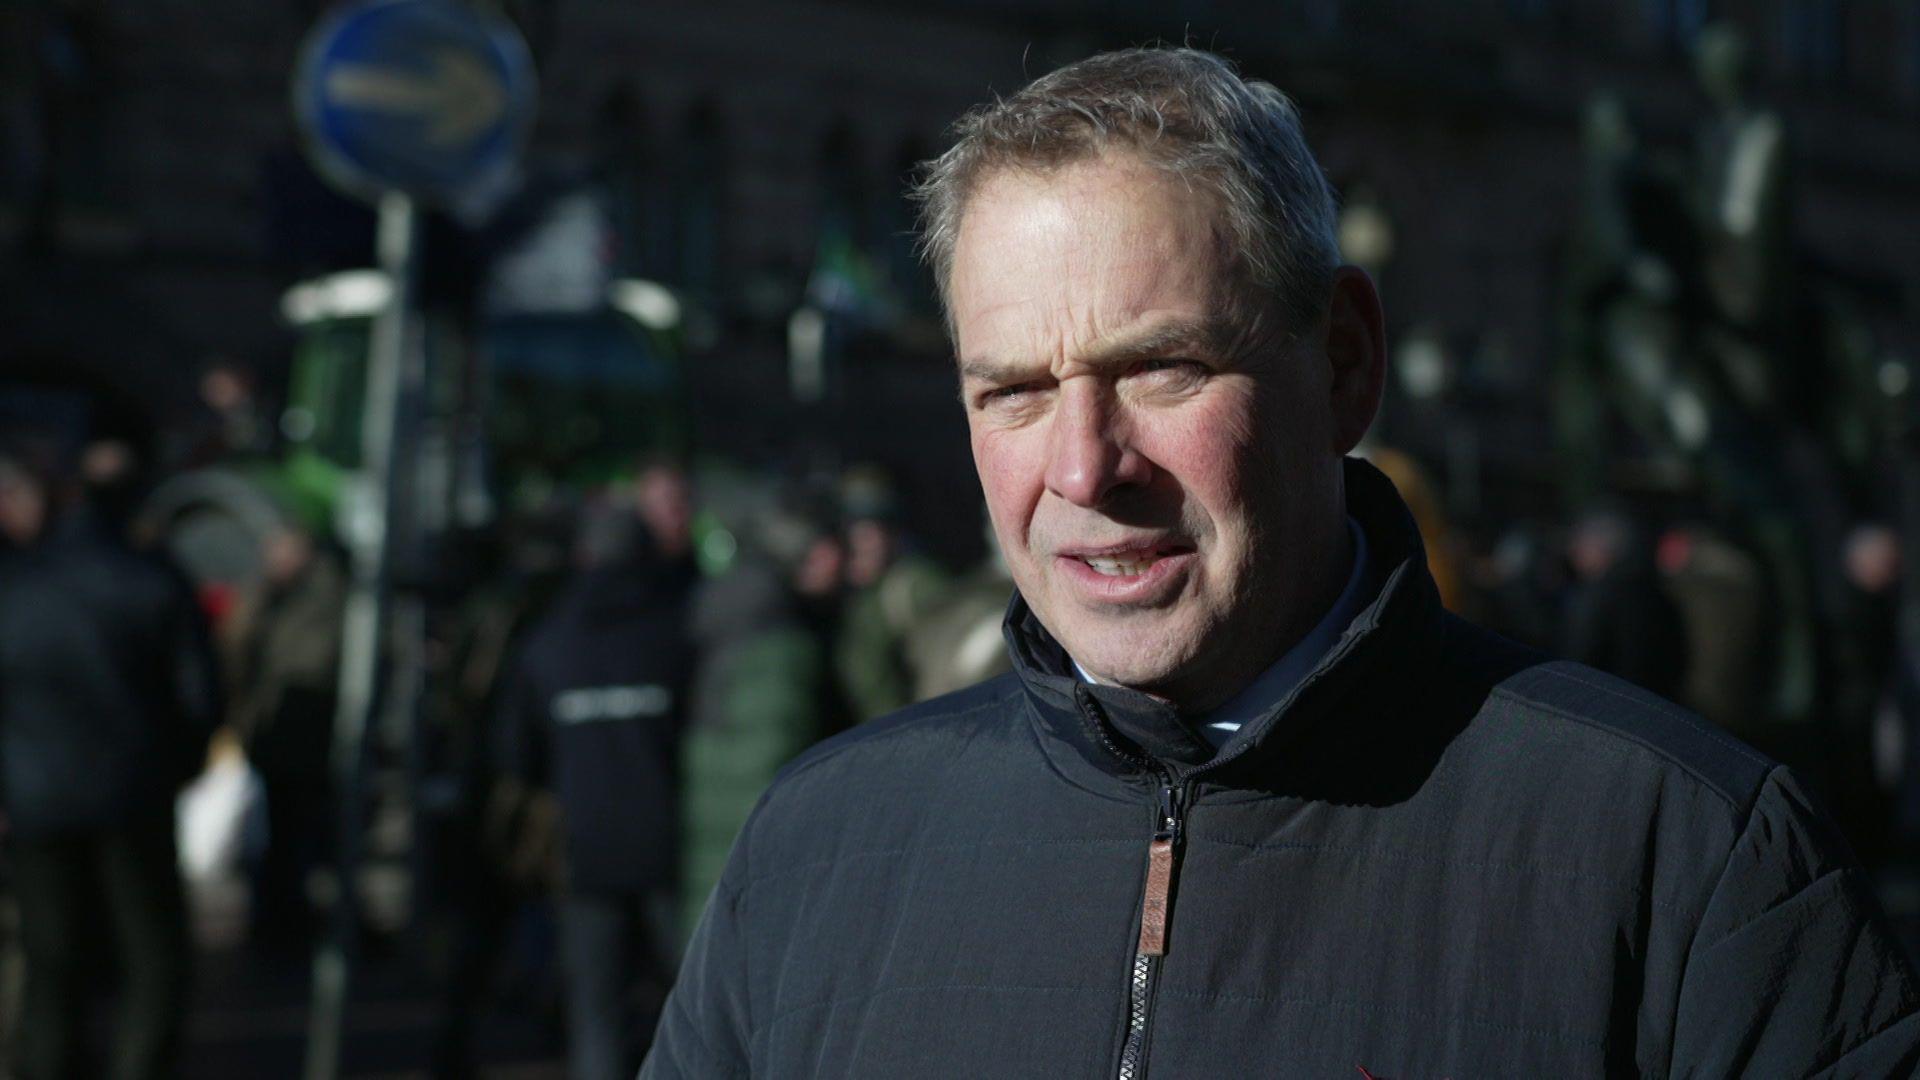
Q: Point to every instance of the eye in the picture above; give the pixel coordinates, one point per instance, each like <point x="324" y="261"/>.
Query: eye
<point x="1168" y="371"/>
<point x="1011" y="394"/>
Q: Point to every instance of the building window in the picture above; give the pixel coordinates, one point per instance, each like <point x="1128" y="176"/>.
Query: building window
<point x="1530" y="11"/>
<point x="1913" y="51"/>
<point x="1814" y="33"/>
<point x="1676" y="24"/>
<point x="846" y="208"/>
<point x="911" y="280"/>
<point x="699" y="184"/>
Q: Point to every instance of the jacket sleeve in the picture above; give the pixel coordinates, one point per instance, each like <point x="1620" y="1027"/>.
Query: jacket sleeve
<point x="197" y="701"/>
<point x="1794" y="971"/>
<point x="519" y="727"/>
<point x="704" y="1028"/>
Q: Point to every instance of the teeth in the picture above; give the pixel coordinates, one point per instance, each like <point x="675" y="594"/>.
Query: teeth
<point x="1124" y="566"/>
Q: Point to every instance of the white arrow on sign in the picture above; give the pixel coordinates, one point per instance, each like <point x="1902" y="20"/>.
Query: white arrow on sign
<point x="459" y="96"/>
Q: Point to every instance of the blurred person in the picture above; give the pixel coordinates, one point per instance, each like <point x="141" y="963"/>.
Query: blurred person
<point x="1866" y="740"/>
<point x="108" y="696"/>
<point x="663" y="497"/>
<point x="1721" y="591"/>
<point x="799" y="538"/>
<point x="1876" y="567"/>
<point x="110" y="485"/>
<point x="1252" y="802"/>
<point x="803" y="547"/>
<point x="1871" y="566"/>
<point x="1620" y="617"/>
<point x="589" y="727"/>
<point x="24" y="498"/>
<point x="230" y="421"/>
<point x="1417" y="490"/>
<point x="1521" y="583"/>
<point x="284" y="638"/>
<point x="820" y="568"/>
<point x="486" y="873"/>
<point x="890" y="590"/>
<point x="958" y="642"/>
<point x="765" y="687"/>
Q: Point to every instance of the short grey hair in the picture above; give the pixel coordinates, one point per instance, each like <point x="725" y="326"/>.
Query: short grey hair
<point x="1183" y="110"/>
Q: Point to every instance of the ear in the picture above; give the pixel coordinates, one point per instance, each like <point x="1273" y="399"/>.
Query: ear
<point x="1357" y="355"/>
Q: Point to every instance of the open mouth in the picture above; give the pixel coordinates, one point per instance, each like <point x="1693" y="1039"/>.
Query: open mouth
<point x="1130" y="563"/>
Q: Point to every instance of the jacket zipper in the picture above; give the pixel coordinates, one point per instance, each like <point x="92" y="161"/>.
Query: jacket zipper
<point x="1163" y="859"/>
<point x="1155" y="901"/>
<point x="1155" y="909"/>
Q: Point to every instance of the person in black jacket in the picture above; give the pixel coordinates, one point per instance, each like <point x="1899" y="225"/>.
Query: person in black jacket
<point x="1620" y="618"/>
<point x="589" y="728"/>
<point x="107" y="700"/>
<point x="1252" y="802"/>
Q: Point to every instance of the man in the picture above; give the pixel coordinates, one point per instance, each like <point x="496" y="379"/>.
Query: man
<point x="1620" y="617"/>
<point x="891" y="591"/>
<point x="763" y="689"/>
<point x="107" y="699"/>
<point x="1252" y="803"/>
<point x="590" y="725"/>
<point x="284" y="649"/>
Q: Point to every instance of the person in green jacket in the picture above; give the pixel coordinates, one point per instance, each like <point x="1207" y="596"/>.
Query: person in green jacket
<point x="764" y="690"/>
<point x="892" y="591"/>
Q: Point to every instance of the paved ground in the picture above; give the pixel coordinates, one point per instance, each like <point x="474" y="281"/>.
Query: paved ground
<point x="251" y="1006"/>
<point x="251" y="1014"/>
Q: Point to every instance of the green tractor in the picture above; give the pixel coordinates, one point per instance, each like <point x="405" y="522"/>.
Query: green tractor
<point x="508" y="414"/>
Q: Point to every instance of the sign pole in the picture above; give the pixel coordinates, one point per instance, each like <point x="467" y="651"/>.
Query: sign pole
<point x="368" y="527"/>
<point x="406" y="103"/>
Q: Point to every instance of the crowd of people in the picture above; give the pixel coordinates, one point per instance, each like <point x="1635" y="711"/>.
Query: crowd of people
<point x="1682" y="607"/>
<point x="618" y="694"/>
<point x="591" y="693"/>
<point x="108" y="697"/>
<point x="646" y="705"/>
<point x="609" y="701"/>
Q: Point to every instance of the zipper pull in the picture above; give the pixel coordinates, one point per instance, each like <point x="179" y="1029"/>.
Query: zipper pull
<point x="1153" y="905"/>
<point x="1169" y="813"/>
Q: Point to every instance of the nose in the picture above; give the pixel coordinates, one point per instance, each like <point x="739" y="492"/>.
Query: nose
<point x="1091" y="454"/>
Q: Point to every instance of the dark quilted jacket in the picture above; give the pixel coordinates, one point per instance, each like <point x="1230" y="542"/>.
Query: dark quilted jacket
<point x="1442" y="856"/>
<point x="107" y="686"/>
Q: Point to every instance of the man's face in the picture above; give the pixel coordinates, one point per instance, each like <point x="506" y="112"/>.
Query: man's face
<point x="1160" y="462"/>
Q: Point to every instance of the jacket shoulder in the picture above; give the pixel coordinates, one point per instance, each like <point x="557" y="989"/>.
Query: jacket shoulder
<point x="874" y="784"/>
<point x="1618" y="711"/>
<point x="920" y="719"/>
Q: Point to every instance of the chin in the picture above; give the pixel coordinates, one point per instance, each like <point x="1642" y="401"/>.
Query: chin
<point x="1140" y="662"/>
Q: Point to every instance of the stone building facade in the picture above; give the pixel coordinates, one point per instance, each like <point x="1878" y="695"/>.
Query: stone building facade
<point x="152" y="207"/>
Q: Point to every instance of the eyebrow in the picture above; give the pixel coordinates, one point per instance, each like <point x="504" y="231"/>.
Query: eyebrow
<point x="1209" y="334"/>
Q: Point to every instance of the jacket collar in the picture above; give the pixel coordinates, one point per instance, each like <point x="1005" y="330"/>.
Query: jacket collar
<point x="1125" y="733"/>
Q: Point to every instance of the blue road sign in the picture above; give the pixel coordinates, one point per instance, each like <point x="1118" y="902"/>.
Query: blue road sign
<point x="426" y="97"/>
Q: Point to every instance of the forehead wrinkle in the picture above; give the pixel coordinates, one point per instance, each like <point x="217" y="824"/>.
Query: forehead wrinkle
<point x="1212" y="334"/>
<point x="1087" y="302"/>
<point x="1208" y="333"/>
<point x="988" y="369"/>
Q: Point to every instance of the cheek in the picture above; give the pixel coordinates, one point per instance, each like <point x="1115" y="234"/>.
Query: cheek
<point x="1008" y="481"/>
<point x="1221" y="457"/>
